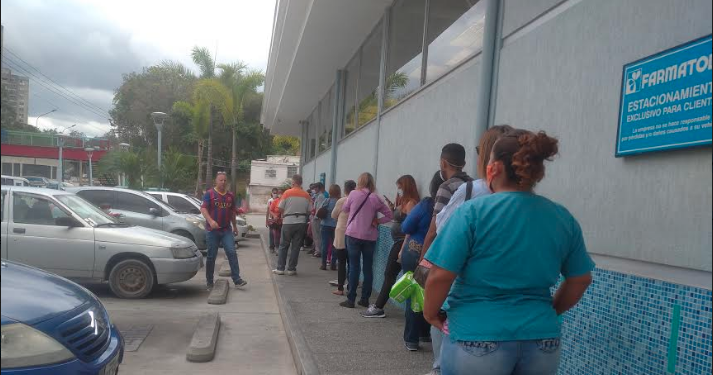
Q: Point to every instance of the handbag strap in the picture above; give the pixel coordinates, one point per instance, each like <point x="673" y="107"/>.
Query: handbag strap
<point x="359" y="209"/>
<point x="468" y="190"/>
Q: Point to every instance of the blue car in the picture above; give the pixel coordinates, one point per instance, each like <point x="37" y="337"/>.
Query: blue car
<point x="51" y="325"/>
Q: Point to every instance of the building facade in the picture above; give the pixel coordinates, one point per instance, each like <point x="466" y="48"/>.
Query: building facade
<point x="17" y="89"/>
<point x="272" y="172"/>
<point x="380" y="86"/>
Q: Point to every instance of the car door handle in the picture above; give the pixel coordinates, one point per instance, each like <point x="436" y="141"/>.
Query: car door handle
<point x="18" y="230"/>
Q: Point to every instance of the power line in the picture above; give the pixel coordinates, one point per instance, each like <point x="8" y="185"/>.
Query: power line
<point x="43" y="85"/>
<point x="53" y="81"/>
<point x="52" y="89"/>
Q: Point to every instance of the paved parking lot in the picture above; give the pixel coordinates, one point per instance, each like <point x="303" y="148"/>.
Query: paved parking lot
<point x="158" y="329"/>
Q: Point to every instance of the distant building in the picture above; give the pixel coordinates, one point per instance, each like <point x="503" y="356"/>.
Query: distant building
<point x="17" y="89"/>
<point x="269" y="173"/>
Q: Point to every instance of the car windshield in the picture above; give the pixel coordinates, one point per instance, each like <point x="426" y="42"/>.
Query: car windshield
<point x="86" y="210"/>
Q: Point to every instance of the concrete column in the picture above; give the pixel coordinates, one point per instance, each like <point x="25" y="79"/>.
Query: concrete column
<point x="487" y="59"/>
<point x="335" y="126"/>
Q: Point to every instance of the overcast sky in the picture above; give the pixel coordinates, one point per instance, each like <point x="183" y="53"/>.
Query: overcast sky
<point x="86" y="45"/>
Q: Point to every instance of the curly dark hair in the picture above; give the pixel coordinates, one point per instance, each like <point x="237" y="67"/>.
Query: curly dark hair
<point x="523" y="153"/>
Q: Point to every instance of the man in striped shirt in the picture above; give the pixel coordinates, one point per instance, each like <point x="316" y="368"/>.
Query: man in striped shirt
<point x="219" y="211"/>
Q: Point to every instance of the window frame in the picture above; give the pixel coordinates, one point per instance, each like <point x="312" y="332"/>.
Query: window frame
<point x="48" y="199"/>
<point x="135" y="196"/>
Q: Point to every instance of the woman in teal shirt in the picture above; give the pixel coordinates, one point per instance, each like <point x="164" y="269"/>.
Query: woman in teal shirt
<point x="496" y="260"/>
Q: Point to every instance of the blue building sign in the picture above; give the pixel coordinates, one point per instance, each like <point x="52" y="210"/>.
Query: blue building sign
<point x="666" y="100"/>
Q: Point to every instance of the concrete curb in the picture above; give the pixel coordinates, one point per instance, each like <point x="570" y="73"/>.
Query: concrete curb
<point x="224" y="269"/>
<point x="205" y="339"/>
<point x="304" y="360"/>
<point x="219" y="294"/>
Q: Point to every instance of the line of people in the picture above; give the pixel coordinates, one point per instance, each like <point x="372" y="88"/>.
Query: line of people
<point x="487" y="252"/>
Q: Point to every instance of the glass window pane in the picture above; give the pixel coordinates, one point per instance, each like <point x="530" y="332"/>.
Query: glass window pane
<point x="32" y="209"/>
<point x="134" y="203"/>
<point x="403" y="71"/>
<point x="369" y="77"/>
<point x="326" y="120"/>
<point x="2" y="205"/>
<point x="98" y="197"/>
<point x="313" y="126"/>
<point x="352" y="73"/>
<point x="182" y="205"/>
<point x="455" y="32"/>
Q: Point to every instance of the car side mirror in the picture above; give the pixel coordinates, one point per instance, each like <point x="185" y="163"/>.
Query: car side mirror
<point x="67" y="221"/>
<point x="154" y="211"/>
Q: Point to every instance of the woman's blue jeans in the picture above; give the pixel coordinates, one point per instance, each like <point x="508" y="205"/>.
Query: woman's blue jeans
<point x="531" y="357"/>
<point x="416" y="326"/>
<point x="357" y="251"/>
<point x="328" y="245"/>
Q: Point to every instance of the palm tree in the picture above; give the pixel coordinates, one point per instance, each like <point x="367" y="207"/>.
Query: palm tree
<point x="199" y="118"/>
<point x="241" y="84"/>
<point x="217" y="98"/>
<point x="211" y="92"/>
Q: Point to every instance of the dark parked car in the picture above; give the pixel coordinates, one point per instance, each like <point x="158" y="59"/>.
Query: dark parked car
<point x="51" y="325"/>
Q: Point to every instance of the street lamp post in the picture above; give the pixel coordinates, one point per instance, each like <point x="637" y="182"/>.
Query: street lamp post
<point x="158" y="118"/>
<point x="38" y="117"/>
<point x="90" y="152"/>
<point x="60" y="167"/>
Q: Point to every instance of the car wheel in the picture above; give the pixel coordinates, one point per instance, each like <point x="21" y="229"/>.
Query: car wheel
<point x="131" y="278"/>
<point x="183" y="233"/>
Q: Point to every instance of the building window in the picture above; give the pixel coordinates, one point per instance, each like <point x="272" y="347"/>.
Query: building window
<point x="403" y="69"/>
<point x="270" y="173"/>
<point x="350" y="113"/>
<point x="326" y="120"/>
<point x="455" y="32"/>
<point x="312" y="127"/>
<point x="291" y="171"/>
<point x="369" y="77"/>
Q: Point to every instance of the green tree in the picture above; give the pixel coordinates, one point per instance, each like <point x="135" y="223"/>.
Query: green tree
<point x="285" y="145"/>
<point x="242" y="85"/>
<point x="155" y="88"/>
<point x="136" y="166"/>
<point x="198" y="117"/>
<point x="212" y="93"/>
<point x="177" y="170"/>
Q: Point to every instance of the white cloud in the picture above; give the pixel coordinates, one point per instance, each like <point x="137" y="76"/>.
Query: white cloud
<point x="86" y="45"/>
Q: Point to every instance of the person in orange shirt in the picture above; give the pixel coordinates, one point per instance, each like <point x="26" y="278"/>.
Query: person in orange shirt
<point x="275" y="219"/>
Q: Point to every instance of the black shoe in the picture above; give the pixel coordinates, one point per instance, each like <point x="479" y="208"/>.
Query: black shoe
<point x="240" y="283"/>
<point x="348" y="304"/>
<point x="364" y="303"/>
<point x="412" y="347"/>
<point x="209" y="287"/>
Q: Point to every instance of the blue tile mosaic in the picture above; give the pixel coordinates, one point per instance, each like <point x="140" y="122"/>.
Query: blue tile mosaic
<point x="623" y="325"/>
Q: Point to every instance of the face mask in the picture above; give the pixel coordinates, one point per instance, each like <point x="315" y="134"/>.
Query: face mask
<point x="443" y="176"/>
<point x="400" y="192"/>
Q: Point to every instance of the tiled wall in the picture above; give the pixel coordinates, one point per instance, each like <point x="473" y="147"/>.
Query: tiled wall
<point x="623" y="325"/>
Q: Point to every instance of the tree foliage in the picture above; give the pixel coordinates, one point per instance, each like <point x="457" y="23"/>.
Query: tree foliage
<point x="154" y="89"/>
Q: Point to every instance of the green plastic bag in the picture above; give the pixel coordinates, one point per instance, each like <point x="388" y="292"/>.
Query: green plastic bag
<point x="403" y="288"/>
<point x="417" y="298"/>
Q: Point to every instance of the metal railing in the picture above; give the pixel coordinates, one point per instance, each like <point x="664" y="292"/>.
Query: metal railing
<point x="15" y="137"/>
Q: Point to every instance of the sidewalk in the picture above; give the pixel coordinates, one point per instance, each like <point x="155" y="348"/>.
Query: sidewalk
<point x="330" y="339"/>
<point x="252" y="338"/>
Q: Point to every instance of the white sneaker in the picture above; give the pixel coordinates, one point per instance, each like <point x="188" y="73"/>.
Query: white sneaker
<point x="278" y="272"/>
<point x="291" y="273"/>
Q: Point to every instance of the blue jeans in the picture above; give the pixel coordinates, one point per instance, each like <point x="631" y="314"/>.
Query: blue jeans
<point x="437" y="338"/>
<point x="227" y="238"/>
<point x="416" y="326"/>
<point x="531" y="357"/>
<point x="357" y="250"/>
<point x="327" y="244"/>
